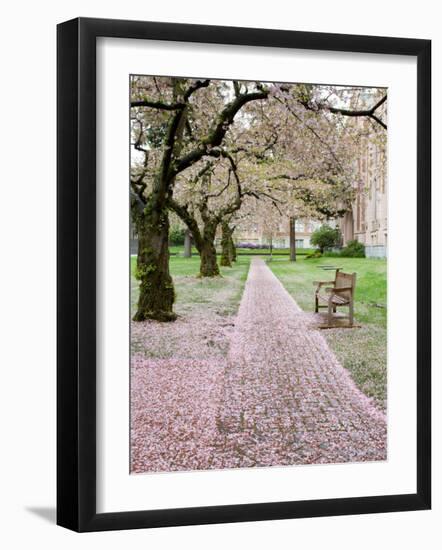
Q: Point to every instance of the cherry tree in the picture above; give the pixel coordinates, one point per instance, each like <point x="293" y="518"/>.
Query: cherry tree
<point x="205" y="147"/>
<point x="228" y="249"/>
<point x="205" y="200"/>
<point x="175" y="125"/>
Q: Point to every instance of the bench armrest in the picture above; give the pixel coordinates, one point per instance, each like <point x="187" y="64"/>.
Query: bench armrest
<point x="321" y="283"/>
<point x="340" y="289"/>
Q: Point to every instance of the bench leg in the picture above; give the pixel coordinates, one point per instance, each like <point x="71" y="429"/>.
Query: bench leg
<point x="351" y="313"/>
<point x="316" y="304"/>
<point x="329" y="317"/>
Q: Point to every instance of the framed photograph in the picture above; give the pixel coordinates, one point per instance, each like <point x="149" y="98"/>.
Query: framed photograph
<point x="243" y="274"/>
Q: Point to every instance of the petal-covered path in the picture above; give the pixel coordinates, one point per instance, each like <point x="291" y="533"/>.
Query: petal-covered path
<point x="280" y="398"/>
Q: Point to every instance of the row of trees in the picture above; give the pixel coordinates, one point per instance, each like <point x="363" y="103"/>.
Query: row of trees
<point x="222" y="153"/>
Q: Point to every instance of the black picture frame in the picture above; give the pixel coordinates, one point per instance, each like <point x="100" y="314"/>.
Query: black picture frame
<point x="76" y="274"/>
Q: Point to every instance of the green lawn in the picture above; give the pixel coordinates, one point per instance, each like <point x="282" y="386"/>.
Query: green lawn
<point x="363" y="351"/>
<point x="179" y="250"/>
<point x="222" y="293"/>
<point x="275" y="251"/>
<point x="371" y="283"/>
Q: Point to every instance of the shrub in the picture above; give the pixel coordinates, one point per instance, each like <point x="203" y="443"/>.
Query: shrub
<point x="332" y="253"/>
<point x="312" y="255"/>
<point x="326" y="237"/>
<point x="354" y="249"/>
<point x="176" y="235"/>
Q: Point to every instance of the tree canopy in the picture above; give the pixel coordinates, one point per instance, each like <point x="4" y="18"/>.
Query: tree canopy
<point x="215" y="152"/>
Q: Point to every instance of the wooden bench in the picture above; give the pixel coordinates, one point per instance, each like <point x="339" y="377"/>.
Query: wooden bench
<point x="337" y="293"/>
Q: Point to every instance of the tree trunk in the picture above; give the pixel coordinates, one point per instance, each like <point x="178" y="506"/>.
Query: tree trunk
<point x="232" y="248"/>
<point x="292" y="240"/>
<point x="187" y="244"/>
<point x="226" y="255"/>
<point x="203" y="240"/>
<point x="156" y="292"/>
<point x="208" y="266"/>
<point x="206" y="248"/>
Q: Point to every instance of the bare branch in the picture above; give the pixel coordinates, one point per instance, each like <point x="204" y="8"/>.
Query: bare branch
<point x="350" y="112"/>
<point x="219" y="130"/>
<point x="157" y="105"/>
<point x="314" y="132"/>
<point x="198" y="84"/>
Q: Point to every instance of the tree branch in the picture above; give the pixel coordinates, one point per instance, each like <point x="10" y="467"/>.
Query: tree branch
<point x="379" y="121"/>
<point x="157" y="105"/>
<point x="288" y="177"/>
<point x="261" y="194"/>
<point x="198" y="84"/>
<point x="313" y="131"/>
<point x="221" y="191"/>
<point x="136" y="201"/>
<point x="353" y="113"/>
<point x="219" y="130"/>
<point x="183" y="212"/>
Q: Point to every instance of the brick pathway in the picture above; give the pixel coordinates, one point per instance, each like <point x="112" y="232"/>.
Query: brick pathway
<point x="280" y="398"/>
<point x="286" y="399"/>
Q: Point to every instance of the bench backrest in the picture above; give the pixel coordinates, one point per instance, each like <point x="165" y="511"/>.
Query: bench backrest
<point x="345" y="280"/>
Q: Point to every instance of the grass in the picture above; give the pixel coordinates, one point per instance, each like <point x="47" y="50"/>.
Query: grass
<point x="275" y="251"/>
<point x="362" y="351"/>
<point x="371" y="283"/>
<point x="205" y="306"/>
<point x="222" y="293"/>
<point x="179" y="250"/>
